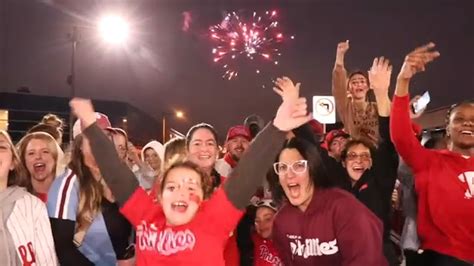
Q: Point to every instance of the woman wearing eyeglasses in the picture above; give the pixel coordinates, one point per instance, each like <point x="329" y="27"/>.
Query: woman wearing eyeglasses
<point x="372" y="171"/>
<point x="318" y="224"/>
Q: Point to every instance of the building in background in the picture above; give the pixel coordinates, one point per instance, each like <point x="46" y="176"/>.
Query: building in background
<point x="19" y="112"/>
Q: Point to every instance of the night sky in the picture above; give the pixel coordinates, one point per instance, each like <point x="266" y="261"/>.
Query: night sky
<point x="164" y="68"/>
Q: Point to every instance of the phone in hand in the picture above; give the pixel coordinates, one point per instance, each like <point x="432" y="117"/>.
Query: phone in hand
<point x="421" y="103"/>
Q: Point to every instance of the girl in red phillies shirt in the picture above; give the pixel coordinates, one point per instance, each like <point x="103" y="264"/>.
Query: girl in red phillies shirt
<point x="265" y="254"/>
<point x="444" y="179"/>
<point x="188" y="228"/>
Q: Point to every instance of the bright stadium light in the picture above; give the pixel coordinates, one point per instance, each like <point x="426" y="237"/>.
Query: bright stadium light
<point x="114" y="29"/>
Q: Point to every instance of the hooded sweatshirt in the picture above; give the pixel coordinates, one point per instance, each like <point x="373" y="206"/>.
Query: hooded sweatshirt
<point x="25" y="231"/>
<point x="335" y="230"/>
<point x="145" y="177"/>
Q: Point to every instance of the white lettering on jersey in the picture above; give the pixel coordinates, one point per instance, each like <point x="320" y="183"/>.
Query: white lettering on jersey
<point x="312" y="247"/>
<point x="166" y="242"/>
<point x="468" y="178"/>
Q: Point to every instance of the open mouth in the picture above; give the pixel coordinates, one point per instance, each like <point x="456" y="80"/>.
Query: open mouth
<point x="294" y="189"/>
<point x="39" y="167"/>
<point x="466" y="133"/>
<point x="179" y="206"/>
<point x="204" y="157"/>
<point x="358" y="169"/>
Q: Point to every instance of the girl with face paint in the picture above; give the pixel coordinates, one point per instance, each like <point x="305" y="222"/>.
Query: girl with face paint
<point x="444" y="180"/>
<point x="188" y="228"/>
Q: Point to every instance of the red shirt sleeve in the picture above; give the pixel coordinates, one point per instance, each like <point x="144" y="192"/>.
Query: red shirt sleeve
<point x="137" y="206"/>
<point x="403" y="138"/>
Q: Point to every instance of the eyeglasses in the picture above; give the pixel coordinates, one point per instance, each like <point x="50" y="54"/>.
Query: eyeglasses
<point x="297" y="167"/>
<point x="363" y="156"/>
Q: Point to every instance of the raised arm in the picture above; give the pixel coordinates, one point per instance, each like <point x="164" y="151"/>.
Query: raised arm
<point x="339" y="80"/>
<point x="405" y="142"/>
<point x="118" y="176"/>
<point x="379" y="77"/>
<point x="253" y="166"/>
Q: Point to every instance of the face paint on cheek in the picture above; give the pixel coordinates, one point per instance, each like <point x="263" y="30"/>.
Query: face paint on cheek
<point x="195" y="198"/>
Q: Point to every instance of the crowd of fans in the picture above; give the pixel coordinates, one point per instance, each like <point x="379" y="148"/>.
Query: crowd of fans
<point x="288" y="193"/>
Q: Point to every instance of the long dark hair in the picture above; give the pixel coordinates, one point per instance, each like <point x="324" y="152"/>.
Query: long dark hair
<point x="317" y="171"/>
<point x="90" y="190"/>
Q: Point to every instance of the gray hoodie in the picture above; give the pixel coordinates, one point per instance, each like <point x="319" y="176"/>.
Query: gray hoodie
<point x="8" y="198"/>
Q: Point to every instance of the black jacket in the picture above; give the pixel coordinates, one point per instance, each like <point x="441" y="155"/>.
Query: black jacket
<point x="374" y="189"/>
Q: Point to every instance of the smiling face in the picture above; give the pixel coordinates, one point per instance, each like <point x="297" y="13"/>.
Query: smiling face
<point x="358" y="87"/>
<point x="182" y="195"/>
<point x="461" y="126"/>
<point x="202" y="148"/>
<point x="264" y="222"/>
<point x="40" y="159"/>
<point x="237" y="146"/>
<point x="152" y="159"/>
<point x="357" y="161"/>
<point x="298" y="186"/>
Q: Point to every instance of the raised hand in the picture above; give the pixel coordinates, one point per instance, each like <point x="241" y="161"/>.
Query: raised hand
<point x="84" y="110"/>
<point x="342" y="48"/>
<point x="291" y="114"/>
<point x="417" y="60"/>
<point x="379" y="75"/>
<point x="286" y="89"/>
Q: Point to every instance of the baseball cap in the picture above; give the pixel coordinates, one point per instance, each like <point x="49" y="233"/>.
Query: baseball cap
<point x="331" y="135"/>
<point x="102" y="121"/>
<point x="239" y="130"/>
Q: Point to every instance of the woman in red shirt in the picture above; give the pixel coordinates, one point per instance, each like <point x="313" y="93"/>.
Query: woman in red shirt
<point x="444" y="179"/>
<point x="187" y="228"/>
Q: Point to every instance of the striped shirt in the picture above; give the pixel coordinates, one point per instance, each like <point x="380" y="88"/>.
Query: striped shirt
<point x="30" y="230"/>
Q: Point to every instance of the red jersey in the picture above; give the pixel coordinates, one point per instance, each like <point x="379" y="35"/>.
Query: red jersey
<point x="444" y="182"/>
<point x="199" y="242"/>
<point x="265" y="254"/>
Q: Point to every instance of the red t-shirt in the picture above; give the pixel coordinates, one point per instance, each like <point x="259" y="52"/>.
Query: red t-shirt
<point x="200" y="242"/>
<point x="264" y="253"/>
<point x="444" y="183"/>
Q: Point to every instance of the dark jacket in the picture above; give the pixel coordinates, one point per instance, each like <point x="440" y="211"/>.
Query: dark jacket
<point x="374" y="189"/>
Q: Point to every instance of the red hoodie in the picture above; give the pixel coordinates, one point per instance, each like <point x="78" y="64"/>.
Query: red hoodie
<point x="444" y="183"/>
<point x="335" y="230"/>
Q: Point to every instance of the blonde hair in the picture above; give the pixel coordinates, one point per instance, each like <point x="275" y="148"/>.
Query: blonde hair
<point x="174" y="148"/>
<point x="16" y="177"/>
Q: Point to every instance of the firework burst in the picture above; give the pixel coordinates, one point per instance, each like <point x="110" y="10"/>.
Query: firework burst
<point x="240" y="38"/>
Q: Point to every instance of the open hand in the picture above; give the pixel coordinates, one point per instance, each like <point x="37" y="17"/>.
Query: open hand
<point x="417" y="60"/>
<point x="292" y="114"/>
<point x="84" y="110"/>
<point x="286" y="89"/>
<point x="379" y="75"/>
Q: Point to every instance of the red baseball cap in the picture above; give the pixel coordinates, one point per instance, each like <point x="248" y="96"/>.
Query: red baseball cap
<point x="102" y="121"/>
<point x="239" y="130"/>
<point x="331" y="135"/>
